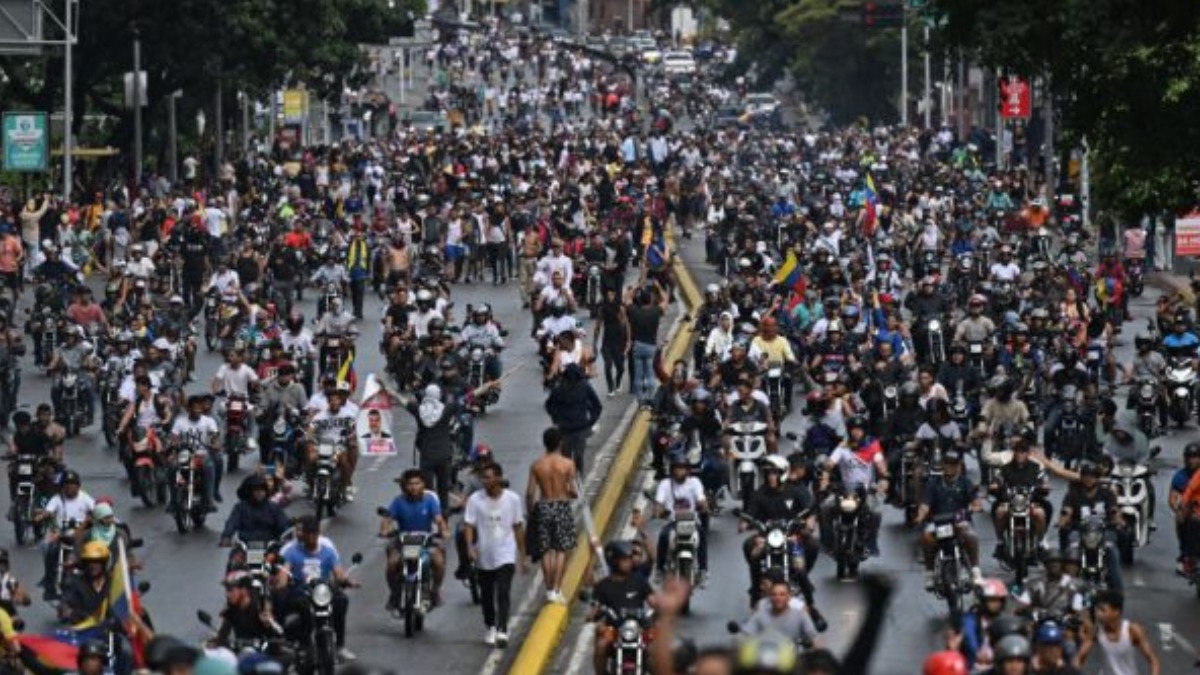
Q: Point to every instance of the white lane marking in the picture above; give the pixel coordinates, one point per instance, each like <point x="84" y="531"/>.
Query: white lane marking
<point x="1138" y="580"/>
<point x="1166" y="633"/>
<point x="581" y="651"/>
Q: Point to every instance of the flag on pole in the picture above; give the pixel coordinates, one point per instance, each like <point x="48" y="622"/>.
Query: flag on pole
<point x="121" y="603"/>
<point x="871" y="205"/>
<point x="47" y="654"/>
<point x="346" y="371"/>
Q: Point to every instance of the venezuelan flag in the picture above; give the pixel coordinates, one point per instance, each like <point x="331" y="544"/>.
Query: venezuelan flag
<point x="121" y="603"/>
<point x="45" y="654"/>
<point x="346" y="371"/>
<point x="871" y="206"/>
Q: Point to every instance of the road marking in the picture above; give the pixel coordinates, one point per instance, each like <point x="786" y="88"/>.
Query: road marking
<point x="1138" y="580"/>
<point x="581" y="651"/>
<point x="1167" y="636"/>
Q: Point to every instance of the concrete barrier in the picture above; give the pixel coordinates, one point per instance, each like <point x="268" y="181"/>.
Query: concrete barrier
<point x="537" y="651"/>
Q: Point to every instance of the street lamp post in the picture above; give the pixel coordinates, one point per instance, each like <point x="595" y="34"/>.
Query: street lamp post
<point x="68" y="102"/>
<point x="137" y="107"/>
<point x="172" y="139"/>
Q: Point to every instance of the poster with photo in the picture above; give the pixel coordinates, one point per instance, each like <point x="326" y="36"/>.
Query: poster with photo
<point x="373" y="428"/>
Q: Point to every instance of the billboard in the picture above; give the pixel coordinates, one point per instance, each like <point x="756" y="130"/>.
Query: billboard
<point x="26" y="141"/>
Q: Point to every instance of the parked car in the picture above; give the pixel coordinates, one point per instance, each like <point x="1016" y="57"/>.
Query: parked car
<point x="678" y="63"/>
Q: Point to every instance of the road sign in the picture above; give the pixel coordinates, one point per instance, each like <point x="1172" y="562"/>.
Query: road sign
<point x="295" y="106"/>
<point x="1187" y="235"/>
<point x="1015" y="99"/>
<point x="26" y="141"/>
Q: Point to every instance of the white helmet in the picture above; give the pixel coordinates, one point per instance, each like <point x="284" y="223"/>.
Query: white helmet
<point x="775" y="462"/>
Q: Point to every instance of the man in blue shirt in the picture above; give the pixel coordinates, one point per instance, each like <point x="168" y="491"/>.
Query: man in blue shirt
<point x="1184" y="531"/>
<point x="309" y="557"/>
<point x="414" y="510"/>
<point x="1181" y="341"/>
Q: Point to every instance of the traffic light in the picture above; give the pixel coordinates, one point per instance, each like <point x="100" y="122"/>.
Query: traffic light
<point x="882" y="14"/>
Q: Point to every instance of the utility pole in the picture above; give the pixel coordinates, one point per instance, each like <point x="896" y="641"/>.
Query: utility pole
<point x="928" y="97"/>
<point x="137" y="107"/>
<point x="68" y="102"/>
<point x="172" y="139"/>
<point x="904" y="74"/>
<point x="218" y="129"/>
<point x="1048" y="154"/>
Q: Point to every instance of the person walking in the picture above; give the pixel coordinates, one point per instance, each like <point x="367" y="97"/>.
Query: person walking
<point x="644" y="316"/>
<point x="358" y="268"/>
<point x="612" y="339"/>
<point x="494" y="528"/>
<point x="434" y="443"/>
<point x="1118" y="639"/>
<point x="549" y="495"/>
<point x="574" y="407"/>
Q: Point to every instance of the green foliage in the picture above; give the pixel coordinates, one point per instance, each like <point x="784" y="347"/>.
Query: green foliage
<point x="1126" y="76"/>
<point x="844" y="67"/>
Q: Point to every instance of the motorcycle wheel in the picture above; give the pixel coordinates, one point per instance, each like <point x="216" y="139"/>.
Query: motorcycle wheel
<point x="183" y="520"/>
<point x="20" y="525"/>
<point x="110" y="435"/>
<point x="210" y="336"/>
<point x="410" y="617"/>
<point x="145" y="485"/>
<point x="953" y="597"/>
<point x="232" y="460"/>
<point x="1020" y="563"/>
<point x="1125" y="548"/>
<point x="326" y="661"/>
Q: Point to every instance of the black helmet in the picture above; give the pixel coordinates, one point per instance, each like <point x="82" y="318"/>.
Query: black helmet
<point x="616" y="550"/>
<point x="70" y="477"/>
<point x="436" y="323"/>
<point x="1006" y="625"/>
<point x="1011" y="647"/>
<point x="1191" y="450"/>
<point x="856" y="421"/>
<point x="1089" y="468"/>
<point x="91" y="649"/>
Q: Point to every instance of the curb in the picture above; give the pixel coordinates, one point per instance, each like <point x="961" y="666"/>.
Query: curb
<point x="537" y="651"/>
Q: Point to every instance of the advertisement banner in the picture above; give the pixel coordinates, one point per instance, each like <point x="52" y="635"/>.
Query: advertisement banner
<point x="1187" y="235"/>
<point x="26" y="141"/>
<point x="295" y="106"/>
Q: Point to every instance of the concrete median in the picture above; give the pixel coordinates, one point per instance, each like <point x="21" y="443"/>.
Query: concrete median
<point x="537" y="651"/>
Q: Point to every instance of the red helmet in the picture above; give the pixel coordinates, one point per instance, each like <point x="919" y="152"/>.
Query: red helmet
<point x="945" y="663"/>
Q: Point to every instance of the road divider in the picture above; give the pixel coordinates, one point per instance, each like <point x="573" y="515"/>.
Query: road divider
<point x="537" y="651"/>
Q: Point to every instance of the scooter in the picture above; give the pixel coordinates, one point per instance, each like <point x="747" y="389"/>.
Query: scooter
<point x="1181" y="382"/>
<point x="187" y="500"/>
<point x="952" y="573"/>
<point x="1130" y="482"/>
<point x="748" y="446"/>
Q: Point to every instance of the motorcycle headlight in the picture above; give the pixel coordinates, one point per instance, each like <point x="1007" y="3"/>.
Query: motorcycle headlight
<point x="775" y="539"/>
<point x="322" y="595"/>
<point x="280" y="427"/>
<point x="935" y="325"/>
<point x="1147" y="391"/>
<point x="630" y="630"/>
<point x="184" y="457"/>
<point x="1093" y="538"/>
<point x="848" y="504"/>
<point x="1020" y="502"/>
<point x="1181" y="392"/>
<point x="477" y="354"/>
<point x="252" y="443"/>
<point x="890" y="391"/>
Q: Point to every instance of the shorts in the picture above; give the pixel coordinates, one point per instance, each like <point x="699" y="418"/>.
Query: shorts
<point x="454" y="252"/>
<point x="555" y="524"/>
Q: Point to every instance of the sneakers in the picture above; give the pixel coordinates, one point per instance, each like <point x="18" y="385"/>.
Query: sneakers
<point x="976" y="575"/>
<point x="612" y="394"/>
<point x="489" y="638"/>
<point x="818" y="620"/>
<point x="345" y="655"/>
<point x="929" y="580"/>
<point x="501" y="639"/>
<point x="555" y="597"/>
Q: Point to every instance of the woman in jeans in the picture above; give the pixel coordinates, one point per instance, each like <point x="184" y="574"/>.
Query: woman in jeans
<point x="612" y="335"/>
<point x="644" y="317"/>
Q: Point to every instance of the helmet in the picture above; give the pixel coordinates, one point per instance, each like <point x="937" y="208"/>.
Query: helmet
<point x="1143" y="340"/>
<point x="775" y="463"/>
<point x="712" y="289"/>
<point x="1191" y="450"/>
<point x="834" y="327"/>
<point x="1006" y="625"/>
<point x="616" y="550"/>
<point x="945" y="663"/>
<point x="436" y="323"/>
<point x="856" y="421"/>
<point x="701" y="395"/>
<point x="1049" y="633"/>
<point x="1011" y="647"/>
<point x="91" y="649"/>
<point x="992" y="589"/>
<point x="1020" y="328"/>
<point x="1089" y="468"/>
<point x="766" y="653"/>
<point x="424" y="296"/>
<point x="480" y="453"/>
<point x="482" y="309"/>
<point x="70" y="477"/>
<point x="94" y="551"/>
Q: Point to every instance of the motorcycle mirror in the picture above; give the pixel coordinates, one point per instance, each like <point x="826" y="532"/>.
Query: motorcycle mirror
<point x="503" y="332"/>
<point x="204" y="617"/>
<point x="137" y="543"/>
<point x="1155" y="452"/>
<point x="143" y="587"/>
<point x="585" y="595"/>
<point x="791" y="435"/>
<point x="733" y="627"/>
<point x="356" y="558"/>
<point x="383" y="512"/>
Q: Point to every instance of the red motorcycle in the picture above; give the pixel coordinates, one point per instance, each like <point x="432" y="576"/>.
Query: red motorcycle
<point x="237" y="427"/>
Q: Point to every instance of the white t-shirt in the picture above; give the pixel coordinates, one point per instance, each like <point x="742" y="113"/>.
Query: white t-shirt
<point x="236" y="382"/>
<point x="331" y="427"/>
<point x="680" y="497"/>
<point x="855" y="472"/>
<point x="77" y="509"/>
<point x="1005" y="272"/>
<point x="494" y="520"/>
<point x="195" y="435"/>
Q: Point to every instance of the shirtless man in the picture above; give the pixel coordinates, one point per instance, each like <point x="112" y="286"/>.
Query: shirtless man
<point x="548" y="497"/>
<point x="398" y="262"/>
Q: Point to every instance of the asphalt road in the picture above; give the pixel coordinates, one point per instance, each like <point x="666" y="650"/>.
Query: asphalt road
<point x="185" y="570"/>
<point x="1156" y="597"/>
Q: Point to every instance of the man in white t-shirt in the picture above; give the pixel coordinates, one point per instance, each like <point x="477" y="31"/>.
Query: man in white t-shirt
<point x="862" y="465"/>
<point x="65" y="511"/>
<point x="676" y="493"/>
<point x="198" y="432"/>
<point x="335" y="426"/>
<point x="1005" y="269"/>
<point x="494" y="520"/>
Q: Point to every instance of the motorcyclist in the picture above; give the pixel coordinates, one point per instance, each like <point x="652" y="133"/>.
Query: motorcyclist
<point x="1020" y="472"/>
<point x="770" y="348"/>
<point x="1050" y="656"/>
<point x="621" y="590"/>
<point x="335" y="426"/>
<point x="680" y="491"/>
<point x="704" y="425"/>
<point x="926" y="305"/>
<point x="780" y="501"/>
<point x="950" y="495"/>
<point x="85" y="594"/>
<point x="1181" y="341"/>
<point x="281" y="395"/>
<point x="1084" y="498"/>
<point x="483" y="332"/>
<point x="861" y="466"/>
<point x="416" y="509"/>
<point x="254" y="517"/>
<point x="64" y="514"/>
<point x="1001" y="412"/>
<point x="975" y="327"/>
<point x="12" y="592"/>
<point x="780" y="616"/>
<point x="1147" y="364"/>
<point x="308" y="558"/>
<point x="245" y="617"/>
<point x="76" y="356"/>
<point x="1011" y="656"/>
<point x="976" y="646"/>
<point x="198" y="432"/>
<point x="1055" y="594"/>
<point x="748" y="408"/>
<point x="1186" y="531"/>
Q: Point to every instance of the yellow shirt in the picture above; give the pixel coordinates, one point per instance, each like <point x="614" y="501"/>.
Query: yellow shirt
<point x="776" y="350"/>
<point x="7" y="631"/>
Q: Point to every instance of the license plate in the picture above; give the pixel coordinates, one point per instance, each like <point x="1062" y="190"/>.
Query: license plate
<point x="410" y="552"/>
<point x="976" y="349"/>
<point x="944" y="531"/>
<point x="25" y="470"/>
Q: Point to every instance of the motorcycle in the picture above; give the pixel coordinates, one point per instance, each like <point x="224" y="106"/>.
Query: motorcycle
<point x="663" y="432"/>
<point x="318" y="654"/>
<point x="187" y="498"/>
<point x="212" y="319"/>
<point x="1135" y="270"/>
<point x="1093" y="552"/>
<point x="1130" y="482"/>
<point x="976" y="358"/>
<point x="237" y="438"/>
<point x="683" y="548"/>
<point x="1181" y="381"/>
<point x="326" y="482"/>
<point x="477" y="377"/>
<point x="416" y="600"/>
<point x="72" y="413"/>
<point x="146" y="468"/>
<point x="632" y="632"/>
<point x="10" y="382"/>
<point x="936" y="341"/>
<point x="774" y="384"/>
<point x="334" y="350"/>
<point x="24" y="499"/>
<point x="784" y="549"/>
<point x="284" y="448"/>
<point x="952" y="573"/>
<point x="1146" y="405"/>
<point x="1071" y="441"/>
<point x="748" y="446"/>
<point x="850" y="533"/>
<point x="111" y="404"/>
<point x="594" y="289"/>
<point x="1020" y="539"/>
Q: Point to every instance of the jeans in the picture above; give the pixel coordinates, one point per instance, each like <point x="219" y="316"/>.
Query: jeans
<point x="358" y="289"/>
<point x="614" y="365"/>
<point x="439" y="475"/>
<point x="213" y="470"/>
<point x="714" y="472"/>
<point x="575" y="447"/>
<point x="663" y="547"/>
<point x="643" y="370"/>
<point x="495" y="590"/>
